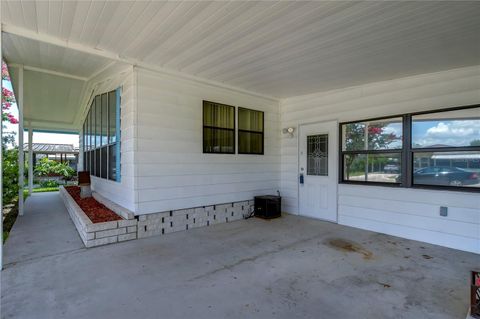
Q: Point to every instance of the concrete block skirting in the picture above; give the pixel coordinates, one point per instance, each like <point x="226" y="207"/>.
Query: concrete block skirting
<point x="99" y="233"/>
<point x="185" y="219"/>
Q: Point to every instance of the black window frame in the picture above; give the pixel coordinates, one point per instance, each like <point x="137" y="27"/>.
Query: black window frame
<point x="219" y="128"/>
<point x="407" y="153"/>
<point x="254" y="132"/>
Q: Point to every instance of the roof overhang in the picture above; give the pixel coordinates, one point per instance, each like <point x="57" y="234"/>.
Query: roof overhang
<point x="55" y="81"/>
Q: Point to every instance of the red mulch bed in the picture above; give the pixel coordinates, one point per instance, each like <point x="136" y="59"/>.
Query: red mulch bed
<point x="97" y="212"/>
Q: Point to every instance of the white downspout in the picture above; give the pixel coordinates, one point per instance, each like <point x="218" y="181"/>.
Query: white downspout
<point x="21" y="159"/>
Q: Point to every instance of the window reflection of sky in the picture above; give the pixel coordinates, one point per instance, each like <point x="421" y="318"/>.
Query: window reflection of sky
<point x="445" y="132"/>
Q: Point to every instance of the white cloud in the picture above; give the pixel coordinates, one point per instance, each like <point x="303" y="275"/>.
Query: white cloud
<point x="452" y="133"/>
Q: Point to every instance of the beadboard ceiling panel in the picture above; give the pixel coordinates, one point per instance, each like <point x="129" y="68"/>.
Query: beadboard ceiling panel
<point x="18" y="50"/>
<point x="280" y="49"/>
<point x="51" y="102"/>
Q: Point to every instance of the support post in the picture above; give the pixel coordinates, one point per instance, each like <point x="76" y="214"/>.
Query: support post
<point x="21" y="159"/>
<point x="30" y="159"/>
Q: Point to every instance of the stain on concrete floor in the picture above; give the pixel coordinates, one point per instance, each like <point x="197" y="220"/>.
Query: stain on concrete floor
<point x="349" y="246"/>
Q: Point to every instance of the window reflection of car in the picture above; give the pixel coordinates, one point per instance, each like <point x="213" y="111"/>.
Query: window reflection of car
<point x="391" y="168"/>
<point x="444" y="175"/>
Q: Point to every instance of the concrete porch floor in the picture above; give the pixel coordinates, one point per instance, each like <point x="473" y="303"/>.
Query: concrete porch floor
<point x="290" y="267"/>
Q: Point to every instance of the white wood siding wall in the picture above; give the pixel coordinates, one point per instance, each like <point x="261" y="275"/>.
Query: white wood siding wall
<point x="172" y="171"/>
<point x="123" y="192"/>
<point x="409" y="213"/>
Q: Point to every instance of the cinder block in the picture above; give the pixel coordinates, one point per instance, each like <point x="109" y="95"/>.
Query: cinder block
<point x="132" y="229"/>
<point x="143" y="223"/>
<point x="102" y="226"/>
<point x="88" y="236"/>
<point x="127" y="237"/>
<point x="199" y="210"/>
<point x="142" y="218"/>
<point x="209" y="208"/>
<point x="127" y="222"/>
<point x="101" y="241"/>
<point x="158" y="215"/>
<point x="222" y="207"/>
<point x="200" y="214"/>
<point x="111" y="232"/>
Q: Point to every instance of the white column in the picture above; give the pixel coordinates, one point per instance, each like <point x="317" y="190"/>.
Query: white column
<point x="21" y="159"/>
<point x="30" y="159"/>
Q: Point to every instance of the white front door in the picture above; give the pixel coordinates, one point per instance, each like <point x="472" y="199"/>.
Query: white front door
<point x="318" y="158"/>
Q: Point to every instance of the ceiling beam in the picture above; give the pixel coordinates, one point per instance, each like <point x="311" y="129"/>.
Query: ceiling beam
<point x="51" y="72"/>
<point x="33" y="35"/>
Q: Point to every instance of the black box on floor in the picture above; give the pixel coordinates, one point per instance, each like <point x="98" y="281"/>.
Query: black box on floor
<point x="268" y="206"/>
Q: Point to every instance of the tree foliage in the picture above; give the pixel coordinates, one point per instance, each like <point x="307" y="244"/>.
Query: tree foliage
<point x="360" y="137"/>
<point x="475" y="143"/>
<point x="48" y="167"/>
<point x="10" y="175"/>
<point x="10" y="156"/>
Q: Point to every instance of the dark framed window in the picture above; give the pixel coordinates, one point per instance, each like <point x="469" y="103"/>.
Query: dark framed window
<point x="250" y="131"/>
<point x="435" y="149"/>
<point x="114" y="135"/>
<point x="218" y="128"/>
<point x="446" y="148"/>
<point x="98" y="133"/>
<point x="102" y="136"/>
<point x="372" y="150"/>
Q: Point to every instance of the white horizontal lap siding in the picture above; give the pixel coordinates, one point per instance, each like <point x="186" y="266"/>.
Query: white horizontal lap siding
<point x="123" y="192"/>
<point x="172" y="171"/>
<point x="409" y="213"/>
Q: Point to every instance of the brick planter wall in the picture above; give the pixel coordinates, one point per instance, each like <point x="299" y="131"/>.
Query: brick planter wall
<point x="151" y="224"/>
<point x="99" y="233"/>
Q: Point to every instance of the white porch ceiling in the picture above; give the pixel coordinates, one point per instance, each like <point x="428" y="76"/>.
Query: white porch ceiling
<point x="51" y="102"/>
<point x="50" y="57"/>
<point x="279" y="49"/>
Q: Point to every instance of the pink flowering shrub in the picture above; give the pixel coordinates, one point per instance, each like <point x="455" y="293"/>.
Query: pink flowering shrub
<point x="8" y="98"/>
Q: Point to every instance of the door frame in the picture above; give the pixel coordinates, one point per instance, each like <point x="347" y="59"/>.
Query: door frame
<point x="335" y="171"/>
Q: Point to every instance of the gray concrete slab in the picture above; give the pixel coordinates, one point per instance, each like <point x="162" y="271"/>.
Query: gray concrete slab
<point x="290" y="267"/>
<point x="45" y="229"/>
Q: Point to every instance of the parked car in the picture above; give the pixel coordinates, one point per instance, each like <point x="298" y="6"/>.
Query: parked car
<point x="444" y="175"/>
<point x="391" y="168"/>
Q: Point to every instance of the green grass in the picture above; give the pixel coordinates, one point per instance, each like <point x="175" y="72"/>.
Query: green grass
<point x="45" y="189"/>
